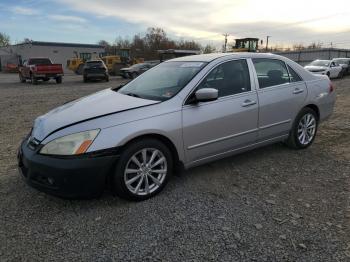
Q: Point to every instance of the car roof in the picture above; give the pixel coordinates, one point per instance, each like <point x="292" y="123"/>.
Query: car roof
<point x="213" y="56"/>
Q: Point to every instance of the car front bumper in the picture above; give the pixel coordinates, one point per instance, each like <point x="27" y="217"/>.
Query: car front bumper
<point x="68" y="177"/>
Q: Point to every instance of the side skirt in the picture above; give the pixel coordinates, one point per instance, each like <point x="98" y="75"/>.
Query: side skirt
<point x="236" y="151"/>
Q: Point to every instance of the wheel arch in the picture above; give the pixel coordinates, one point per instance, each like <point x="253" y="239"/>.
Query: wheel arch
<point x="315" y="108"/>
<point x="170" y="144"/>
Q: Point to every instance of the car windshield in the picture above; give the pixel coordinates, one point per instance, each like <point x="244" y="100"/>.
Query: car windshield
<point x="320" y="63"/>
<point x="94" y="64"/>
<point x="163" y="81"/>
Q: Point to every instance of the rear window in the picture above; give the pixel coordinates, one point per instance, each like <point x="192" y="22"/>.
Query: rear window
<point x="39" y="61"/>
<point x="94" y="64"/>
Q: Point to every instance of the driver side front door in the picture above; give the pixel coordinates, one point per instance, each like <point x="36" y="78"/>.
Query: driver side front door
<point x="211" y="129"/>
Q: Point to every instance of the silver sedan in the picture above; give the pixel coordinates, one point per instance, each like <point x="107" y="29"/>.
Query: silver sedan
<point x="182" y="113"/>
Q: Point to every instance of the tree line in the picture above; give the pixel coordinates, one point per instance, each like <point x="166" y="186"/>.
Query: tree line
<point x="146" y="45"/>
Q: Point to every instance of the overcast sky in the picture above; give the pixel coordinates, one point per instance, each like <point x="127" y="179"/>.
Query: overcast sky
<point x="87" y="21"/>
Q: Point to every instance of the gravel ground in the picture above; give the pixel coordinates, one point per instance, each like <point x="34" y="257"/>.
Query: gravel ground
<point x="271" y="204"/>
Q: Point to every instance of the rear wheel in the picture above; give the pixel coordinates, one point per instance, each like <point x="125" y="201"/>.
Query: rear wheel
<point x="142" y="170"/>
<point x="304" y="129"/>
<point x="341" y="74"/>
<point x="59" y="79"/>
<point x="328" y="74"/>
<point x="107" y="78"/>
<point x="85" y="79"/>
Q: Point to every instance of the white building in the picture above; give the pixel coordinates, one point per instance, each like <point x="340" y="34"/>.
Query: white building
<point x="57" y="52"/>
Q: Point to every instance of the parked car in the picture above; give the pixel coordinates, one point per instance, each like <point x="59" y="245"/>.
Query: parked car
<point x="36" y="69"/>
<point x="95" y="69"/>
<point x="325" y="67"/>
<point x="134" y="70"/>
<point x="182" y="113"/>
<point x="345" y="63"/>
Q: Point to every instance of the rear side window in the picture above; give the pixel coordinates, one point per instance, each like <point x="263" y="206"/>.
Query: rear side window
<point x="94" y="64"/>
<point x="228" y="78"/>
<point x="294" y="77"/>
<point x="271" y="72"/>
<point x="39" y="61"/>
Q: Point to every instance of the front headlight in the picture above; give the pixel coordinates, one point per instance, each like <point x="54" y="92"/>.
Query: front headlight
<point x="73" y="144"/>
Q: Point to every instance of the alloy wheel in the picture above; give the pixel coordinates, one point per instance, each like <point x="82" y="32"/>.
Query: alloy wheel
<point x="145" y="171"/>
<point x="306" y="129"/>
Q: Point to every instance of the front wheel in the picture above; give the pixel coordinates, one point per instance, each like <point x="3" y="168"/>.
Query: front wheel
<point x="34" y="80"/>
<point x="21" y="78"/>
<point x="142" y="170"/>
<point x="304" y="129"/>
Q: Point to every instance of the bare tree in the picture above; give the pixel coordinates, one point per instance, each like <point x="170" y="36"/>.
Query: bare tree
<point x="209" y="49"/>
<point x="4" y="39"/>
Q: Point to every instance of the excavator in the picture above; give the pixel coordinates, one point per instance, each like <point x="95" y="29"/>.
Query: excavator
<point x="246" y="45"/>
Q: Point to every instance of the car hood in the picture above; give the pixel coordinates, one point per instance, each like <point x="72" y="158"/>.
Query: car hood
<point x="312" y="68"/>
<point x="102" y="103"/>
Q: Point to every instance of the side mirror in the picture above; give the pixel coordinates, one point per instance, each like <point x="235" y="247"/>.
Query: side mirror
<point x="206" y="94"/>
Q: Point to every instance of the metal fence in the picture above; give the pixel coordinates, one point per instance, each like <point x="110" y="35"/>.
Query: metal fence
<point x="306" y="56"/>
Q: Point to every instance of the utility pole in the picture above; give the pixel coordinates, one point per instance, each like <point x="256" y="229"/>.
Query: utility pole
<point x="267" y="42"/>
<point x="225" y="43"/>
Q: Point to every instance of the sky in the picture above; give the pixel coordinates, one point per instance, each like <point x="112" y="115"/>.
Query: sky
<point x="88" y="21"/>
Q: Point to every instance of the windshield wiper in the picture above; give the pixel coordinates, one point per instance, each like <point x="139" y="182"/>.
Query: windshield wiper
<point x="133" y="94"/>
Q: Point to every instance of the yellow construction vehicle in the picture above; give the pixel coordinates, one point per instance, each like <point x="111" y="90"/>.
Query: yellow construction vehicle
<point x="121" y="59"/>
<point x="76" y="63"/>
<point x="246" y="45"/>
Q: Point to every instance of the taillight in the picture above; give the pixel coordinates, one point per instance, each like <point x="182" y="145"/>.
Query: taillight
<point x="331" y="87"/>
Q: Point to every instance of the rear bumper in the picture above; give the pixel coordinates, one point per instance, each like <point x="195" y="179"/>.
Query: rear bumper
<point x="95" y="75"/>
<point x="47" y="75"/>
<point x="73" y="177"/>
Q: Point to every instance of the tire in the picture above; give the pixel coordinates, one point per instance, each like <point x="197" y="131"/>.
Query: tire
<point x="144" y="174"/>
<point x="80" y="69"/>
<point x="21" y="78"/>
<point x="107" y="78"/>
<point x="46" y="79"/>
<point x="329" y="75"/>
<point x="341" y="74"/>
<point x="85" y="79"/>
<point x="34" y="80"/>
<point x="59" y="79"/>
<point x="306" y="118"/>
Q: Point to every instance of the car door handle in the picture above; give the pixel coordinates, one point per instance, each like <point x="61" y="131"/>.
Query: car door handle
<point x="298" y="91"/>
<point x="248" y="103"/>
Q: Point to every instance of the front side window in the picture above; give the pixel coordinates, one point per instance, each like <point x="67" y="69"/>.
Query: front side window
<point x="228" y="78"/>
<point x="270" y="72"/>
<point x="163" y="81"/>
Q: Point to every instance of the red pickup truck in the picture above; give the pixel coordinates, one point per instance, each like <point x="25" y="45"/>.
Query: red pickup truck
<point x="40" y="69"/>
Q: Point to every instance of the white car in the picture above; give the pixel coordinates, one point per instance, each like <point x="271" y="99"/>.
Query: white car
<point x="325" y="67"/>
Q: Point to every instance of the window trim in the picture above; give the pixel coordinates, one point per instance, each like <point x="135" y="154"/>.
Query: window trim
<point x="301" y="79"/>
<point x="284" y="84"/>
<point x="187" y="98"/>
